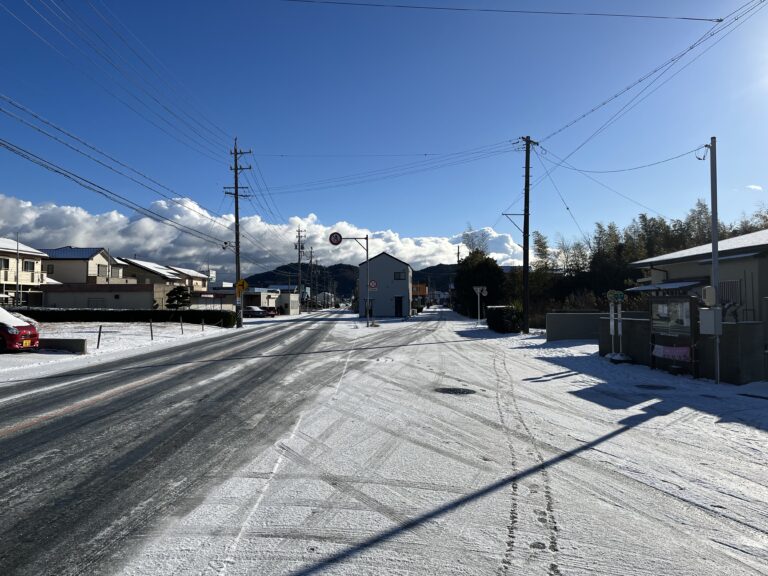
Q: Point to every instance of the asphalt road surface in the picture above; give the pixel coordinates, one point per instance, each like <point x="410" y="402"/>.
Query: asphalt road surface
<point x="90" y="457"/>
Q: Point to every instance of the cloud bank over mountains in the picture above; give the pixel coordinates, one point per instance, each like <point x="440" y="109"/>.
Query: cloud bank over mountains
<point x="264" y="245"/>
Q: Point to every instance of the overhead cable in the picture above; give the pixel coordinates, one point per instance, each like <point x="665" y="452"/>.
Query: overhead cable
<point x="502" y="10"/>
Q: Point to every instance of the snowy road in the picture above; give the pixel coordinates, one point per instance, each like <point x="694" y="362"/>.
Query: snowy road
<point x="425" y="447"/>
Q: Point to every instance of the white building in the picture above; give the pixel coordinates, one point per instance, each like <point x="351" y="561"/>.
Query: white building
<point x="20" y="266"/>
<point x="388" y="286"/>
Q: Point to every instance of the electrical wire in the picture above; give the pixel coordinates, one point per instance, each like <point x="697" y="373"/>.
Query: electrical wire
<point x="106" y="192"/>
<point x="676" y="157"/>
<point x="500" y="10"/>
<point x="709" y="34"/>
<point x="609" y="188"/>
<point x="562" y="198"/>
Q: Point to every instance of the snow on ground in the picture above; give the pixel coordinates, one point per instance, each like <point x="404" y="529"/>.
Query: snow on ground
<point x="553" y="461"/>
<point x="118" y="340"/>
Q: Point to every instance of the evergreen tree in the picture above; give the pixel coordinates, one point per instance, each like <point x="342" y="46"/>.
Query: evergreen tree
<point x="178" y="298"/>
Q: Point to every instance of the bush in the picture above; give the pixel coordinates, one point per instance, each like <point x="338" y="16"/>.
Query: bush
<point x="503" y="319"/>
<point x="223" y="318"/>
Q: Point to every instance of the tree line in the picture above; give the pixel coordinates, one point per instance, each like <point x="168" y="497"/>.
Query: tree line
<point x="576" y="274"/>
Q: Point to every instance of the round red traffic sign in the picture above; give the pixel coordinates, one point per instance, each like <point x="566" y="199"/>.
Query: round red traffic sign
<point x="373" y="284"/>
<point x="335" y="238"/>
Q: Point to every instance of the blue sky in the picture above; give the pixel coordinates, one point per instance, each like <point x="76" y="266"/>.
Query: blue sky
<point x="341" y="90"/>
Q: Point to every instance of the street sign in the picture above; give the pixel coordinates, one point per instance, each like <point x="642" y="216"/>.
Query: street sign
<point x="240" y="287"/>
<point x="615" y="295"/>
<point x="373" y="285"/>
<point x="335" y="238"/>
<point x="480" y="290"/>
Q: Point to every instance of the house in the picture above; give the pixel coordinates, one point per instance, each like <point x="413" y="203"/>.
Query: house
<point x="671" y="336"/>
<point x="386" y="283"/>
<point x="72" y="265"/>
<point x="743" y="271"/>
<point x="195" y="281"/>
<point x="152" y="273"/>
<point x="21" y="273"/>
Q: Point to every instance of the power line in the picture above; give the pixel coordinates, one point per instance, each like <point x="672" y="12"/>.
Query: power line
<point x="562" y="198"/>
<point x="400" y="170"/>
<point x="678" y="156"/>
<point x="502" y="10"/>
<point x="609" y="188"/>
<point x="709" y="34"/>
<point x="106" y="192"/>
<point x="746" y="10"/>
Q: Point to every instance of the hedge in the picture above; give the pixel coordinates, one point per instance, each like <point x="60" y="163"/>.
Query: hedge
<point x="223" y="318"/>
<point x="503" y="319"/>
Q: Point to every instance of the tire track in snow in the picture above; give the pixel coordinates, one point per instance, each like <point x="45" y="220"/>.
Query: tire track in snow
<point x="546" y="516"/>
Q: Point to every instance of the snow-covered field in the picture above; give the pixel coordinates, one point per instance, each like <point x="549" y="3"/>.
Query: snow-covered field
<point x="443" y="448"/>
<point x="118" y="340"/>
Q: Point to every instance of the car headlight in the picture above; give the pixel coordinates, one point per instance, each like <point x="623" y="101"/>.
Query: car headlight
<point x="13" y="330"/>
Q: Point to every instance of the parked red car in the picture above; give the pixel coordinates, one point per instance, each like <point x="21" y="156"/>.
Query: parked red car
<point x="16" y="334"/>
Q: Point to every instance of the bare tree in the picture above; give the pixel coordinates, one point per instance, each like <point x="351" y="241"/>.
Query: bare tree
<point x="476" y="240"/>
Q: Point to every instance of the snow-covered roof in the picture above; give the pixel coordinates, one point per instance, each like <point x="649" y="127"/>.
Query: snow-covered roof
<point x="155" y="268"/>
<point x="746" y="242"/>
<point x="71" y="253"/>
<point x="119" y="262"/>
<point x="50" y="281"/>
<point x="189" y="272"/>
<point x="9" y="245"/>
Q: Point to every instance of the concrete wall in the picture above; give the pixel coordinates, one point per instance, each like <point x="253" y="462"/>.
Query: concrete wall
<point x="74" y="345"/>
<point x="742" y="349"/>
<point x="579" y="325"/>
<point x="635" y="339"/>
<point x="742" y="353"/>
<point x="383" y="269"/>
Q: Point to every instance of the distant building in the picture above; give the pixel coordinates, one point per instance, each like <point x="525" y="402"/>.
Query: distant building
<point x="195" y="281"/>
<point x="389" y="287"/>
<point x="72" y="265"/>
<point x="20" y="265"/>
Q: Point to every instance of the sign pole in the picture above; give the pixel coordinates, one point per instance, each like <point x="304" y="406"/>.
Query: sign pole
<point x="611" y="309"/>
<point x="715" y="236"/>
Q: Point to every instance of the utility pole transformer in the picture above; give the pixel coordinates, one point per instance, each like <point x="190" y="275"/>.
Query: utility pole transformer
<point x="236" y="193"/>
<point x="526" y="233"/>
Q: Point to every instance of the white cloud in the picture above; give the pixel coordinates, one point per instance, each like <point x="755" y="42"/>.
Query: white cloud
<point x="754" y="187"/>
<point x="264" y="245"/>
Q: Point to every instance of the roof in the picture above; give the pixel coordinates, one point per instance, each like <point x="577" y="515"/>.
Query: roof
<point x="746" y="242"/>
<point x="390" y="256"/>
<point x="9" y="245"/>
<point x="158" y="269"/>
<point x="189" y="272"/>
<point x="71" y="253"/>
<point x="666" y="286"/>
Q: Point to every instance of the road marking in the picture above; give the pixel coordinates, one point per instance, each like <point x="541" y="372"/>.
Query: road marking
<point x="338" y="384"/>
<point x="230" y="559"/>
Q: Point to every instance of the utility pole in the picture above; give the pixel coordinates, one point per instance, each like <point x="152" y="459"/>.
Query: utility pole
<point x="458" y="254"/>
<point x="300" y="237"/>
<point x="715" y="239"/>
<point x="236" y="193"/>
<point x="526" y="233"/>
<point x="311" y="275"/>
<point x="17" y="295"/>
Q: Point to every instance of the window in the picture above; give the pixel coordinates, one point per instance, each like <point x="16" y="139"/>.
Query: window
<point x="5" y="264"/>
<point x="399" y="275"/>
<point x="102" y="271"/>
<point x="28" y="266"/>
<point x="49" y="269"/>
